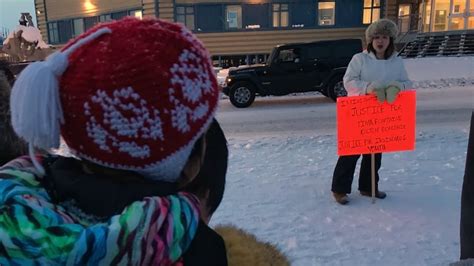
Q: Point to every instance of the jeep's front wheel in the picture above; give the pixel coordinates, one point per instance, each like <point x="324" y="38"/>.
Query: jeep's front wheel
<point x="336" y="88"/>
<point x="242" y="94"/>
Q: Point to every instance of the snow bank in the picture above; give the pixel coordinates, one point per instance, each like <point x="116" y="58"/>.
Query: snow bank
<point x="441" y="72"/>
<point x="440" y="68"/>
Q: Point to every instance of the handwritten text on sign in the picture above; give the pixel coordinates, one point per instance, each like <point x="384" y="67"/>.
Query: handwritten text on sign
<point x="365" y="126"/>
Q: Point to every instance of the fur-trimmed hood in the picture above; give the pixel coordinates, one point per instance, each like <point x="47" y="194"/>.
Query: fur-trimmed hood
<point x="245" y="249"/>
<point x="381" y="27"/>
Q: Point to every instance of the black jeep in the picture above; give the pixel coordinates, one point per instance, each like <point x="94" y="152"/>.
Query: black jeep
<point x="293" y="68"/>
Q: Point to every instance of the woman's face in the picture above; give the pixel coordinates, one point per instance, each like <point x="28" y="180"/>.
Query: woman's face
<point x="380" y="43"/>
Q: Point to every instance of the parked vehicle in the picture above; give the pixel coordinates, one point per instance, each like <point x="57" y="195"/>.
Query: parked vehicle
<point x="294" y="68"/>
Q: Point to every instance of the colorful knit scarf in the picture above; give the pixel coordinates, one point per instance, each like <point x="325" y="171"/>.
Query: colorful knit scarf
<point x="34" y="231"/>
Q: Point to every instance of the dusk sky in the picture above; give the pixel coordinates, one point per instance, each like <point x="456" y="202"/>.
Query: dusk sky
<point x="10" y="12"/>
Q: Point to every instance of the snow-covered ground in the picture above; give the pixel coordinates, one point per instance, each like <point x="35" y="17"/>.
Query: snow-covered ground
<point x="278" y="184"/>
<point x="279" y="189"/>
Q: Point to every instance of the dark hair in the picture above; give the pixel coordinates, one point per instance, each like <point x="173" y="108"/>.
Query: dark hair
<point x="5" y="68"/>
<point x="390" y="49"/>
<point x="11" y="146"/>
<point x="212" y="174"/>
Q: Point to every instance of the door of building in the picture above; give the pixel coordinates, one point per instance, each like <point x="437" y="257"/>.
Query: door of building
<point x="440" y="16"/>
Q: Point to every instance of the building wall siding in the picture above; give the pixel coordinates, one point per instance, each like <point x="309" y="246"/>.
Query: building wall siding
<point x="60" y="9"/>
<point x="41" y="22"/>
<point x="222" y="1"/>
<point x="149" y="8"/>
<point x="348" y="22"/>
<point x="233" y="43"/>
<point x="166" y="10"/>
<point x="349" y="14"/>
<point x="391" y="9"/>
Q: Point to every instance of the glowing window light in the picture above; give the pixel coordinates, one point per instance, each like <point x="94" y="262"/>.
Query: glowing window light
<point x="89" y="6"/>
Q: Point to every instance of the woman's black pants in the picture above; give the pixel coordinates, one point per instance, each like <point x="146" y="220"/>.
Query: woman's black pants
<point x="344" y="173"/>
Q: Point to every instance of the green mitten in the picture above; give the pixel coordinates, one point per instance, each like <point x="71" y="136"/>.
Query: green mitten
<point x="380" y="93"/>
<point x="378" y="88"/>
<point x="392" y="92"/>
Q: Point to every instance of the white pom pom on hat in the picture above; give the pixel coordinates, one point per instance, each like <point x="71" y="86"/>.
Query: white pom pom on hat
<point x="36" y="111"/>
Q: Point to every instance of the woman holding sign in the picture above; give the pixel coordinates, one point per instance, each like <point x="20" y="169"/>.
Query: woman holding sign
<point x="378" y="70"/>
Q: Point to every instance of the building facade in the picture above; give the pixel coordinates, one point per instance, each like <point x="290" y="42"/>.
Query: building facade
<point x="237" y="32"/>
<point x="447" y="15"/>
<point x="434" y="15"/>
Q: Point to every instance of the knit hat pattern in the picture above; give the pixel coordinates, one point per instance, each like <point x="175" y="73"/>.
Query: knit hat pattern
<point x="381" y="27"/>
<point x="137" y="97"/>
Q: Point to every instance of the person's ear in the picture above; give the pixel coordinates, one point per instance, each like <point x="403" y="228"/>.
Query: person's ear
<point x="193" y="165"/>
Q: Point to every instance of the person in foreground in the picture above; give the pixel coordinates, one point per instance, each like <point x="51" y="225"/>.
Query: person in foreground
<point x="467" y="206"/>
<point x="467" y="201"/>
<point x="132" y="99"/>
<point x="242" y="247"/>
<point x="379" y="71"/>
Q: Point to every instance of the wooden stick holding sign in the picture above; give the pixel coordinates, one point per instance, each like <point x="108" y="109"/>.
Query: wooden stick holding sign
<point x="365" y="126"/>
<point x="372" y="164"/>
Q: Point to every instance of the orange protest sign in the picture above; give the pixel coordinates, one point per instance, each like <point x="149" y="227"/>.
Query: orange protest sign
<point x="365" y="126"/>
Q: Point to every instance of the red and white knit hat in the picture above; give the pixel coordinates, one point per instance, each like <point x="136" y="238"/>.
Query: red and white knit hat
<point x="131" y="94"/>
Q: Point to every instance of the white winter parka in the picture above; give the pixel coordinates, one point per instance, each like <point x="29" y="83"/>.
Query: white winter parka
<point x="365" y="68"/>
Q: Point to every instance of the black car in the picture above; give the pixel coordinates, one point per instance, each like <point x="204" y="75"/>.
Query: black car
<point x="293" y="68"/>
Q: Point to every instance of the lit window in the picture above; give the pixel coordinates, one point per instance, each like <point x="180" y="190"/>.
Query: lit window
<point x="136" y="13"/>
<point x="185" y="15"/>
<point x="280" y="15"/>
<point x="326" y="11"/>
<point x="459" y="6"/>
<point x="234" y="17"/>
<point x="470" y="23"/>
<point x="371" y="11"/>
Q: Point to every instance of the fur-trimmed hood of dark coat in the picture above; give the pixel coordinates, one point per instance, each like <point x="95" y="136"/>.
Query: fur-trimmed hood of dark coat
<point x="245" y="249"/>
